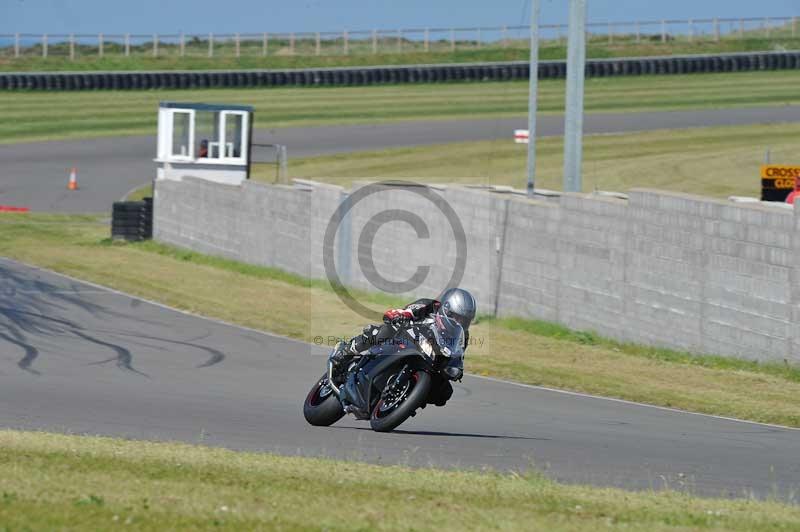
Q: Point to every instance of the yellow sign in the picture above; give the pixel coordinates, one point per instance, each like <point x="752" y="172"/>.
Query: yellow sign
<point x="779" y="171"/>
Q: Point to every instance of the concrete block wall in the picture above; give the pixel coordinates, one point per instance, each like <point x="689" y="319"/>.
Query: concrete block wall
<point x="660" y="268"/>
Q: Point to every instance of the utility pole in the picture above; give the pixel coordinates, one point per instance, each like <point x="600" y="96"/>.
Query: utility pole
<point x="576" y="65"/>
<point x="532" y="94"/>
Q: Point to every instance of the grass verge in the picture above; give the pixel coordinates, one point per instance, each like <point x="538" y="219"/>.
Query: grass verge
<point x="521" y="350"/>
<point x="714" y="161"/>
<point x="30" y="116"/>
<point x="58" y="482"/>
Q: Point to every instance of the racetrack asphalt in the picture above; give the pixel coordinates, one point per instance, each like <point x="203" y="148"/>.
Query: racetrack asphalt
<point x="35" y="175"/>
<point x="77" y="358"/>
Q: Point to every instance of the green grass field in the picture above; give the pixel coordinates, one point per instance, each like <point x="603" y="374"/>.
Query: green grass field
<point x="30" y="116"/>
<point x="521" y="350"/>
<point x="196" y="59"/>
<point x="719" y="161"/>
<point x="55" y="482"/>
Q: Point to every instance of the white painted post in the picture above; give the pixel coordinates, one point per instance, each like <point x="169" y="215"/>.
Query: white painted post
<point x="183" y="45"/>
<point x="237" y="45"/>
<point x="663" y="31"/>
<point x="716" y="29"/>
<point x="374" y="42"/>
<point x="100" y="44"/>
<point x="399" y="41"/>
<point x="16" y="45"/>
<point x="155" y="45"/>
<point x="345" y="42"/>
<point x="427" y="40"/>
<point x="291" y="44"/>
<point x="638" y="33"/>
<point x="767" y="23"/>
<point x="44" y="46"/>
<point x="127" y="44"/>
<point x="265" y="44"/>
<point x="210" y="45"/>
<point x="533" y="91"/>
<point x="71" y="46"/>
<point x="576" y="65"/>
<point x="317" y="44"/>
<point x="452" y="40"/>
<point x="610" y="34"/>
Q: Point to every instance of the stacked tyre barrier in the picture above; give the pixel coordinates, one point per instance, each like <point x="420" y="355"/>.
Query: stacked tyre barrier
<point x="132" y="220"/>
<point x="382" y="75"/>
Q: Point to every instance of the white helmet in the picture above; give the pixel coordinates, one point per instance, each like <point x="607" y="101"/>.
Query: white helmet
<point x="458" y="305"/>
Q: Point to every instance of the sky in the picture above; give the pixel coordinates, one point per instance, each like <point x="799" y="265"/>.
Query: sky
<point x="245" y="16"/>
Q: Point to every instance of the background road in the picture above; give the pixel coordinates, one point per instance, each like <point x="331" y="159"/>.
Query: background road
<point x="80" y="359"/>
<point x="35" y="174"/>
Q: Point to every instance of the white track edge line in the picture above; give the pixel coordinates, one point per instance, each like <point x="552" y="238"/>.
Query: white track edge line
<point x="493" y="379"/>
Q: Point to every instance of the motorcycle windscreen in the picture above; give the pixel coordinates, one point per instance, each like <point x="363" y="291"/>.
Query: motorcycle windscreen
<point x="449" y="335"/>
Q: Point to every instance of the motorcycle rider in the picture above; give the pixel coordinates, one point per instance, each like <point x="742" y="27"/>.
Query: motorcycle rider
<point x="454" y="304"/>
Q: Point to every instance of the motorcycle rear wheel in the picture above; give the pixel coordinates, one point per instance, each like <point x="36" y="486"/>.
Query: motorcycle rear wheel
<point x="321" y="407"/>
<point x="391" y="411"/>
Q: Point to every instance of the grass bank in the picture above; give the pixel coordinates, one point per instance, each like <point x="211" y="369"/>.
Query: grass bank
<point x="196" y="57"/>
<point x="66" y="482"/>
<point x="717" y="161"/>
<point x="30" y="116"/>
<point x="521" y="350"/>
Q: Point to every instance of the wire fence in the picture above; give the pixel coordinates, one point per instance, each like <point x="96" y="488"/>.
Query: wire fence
<point x="425" y="40"/>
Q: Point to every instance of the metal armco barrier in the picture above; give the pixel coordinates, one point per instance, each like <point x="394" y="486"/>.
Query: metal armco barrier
<point x="380" y="75"/>
<point x="132" y="220"/>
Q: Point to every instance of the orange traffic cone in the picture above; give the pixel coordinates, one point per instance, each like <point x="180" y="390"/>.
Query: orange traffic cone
<point x="73" y="179"/>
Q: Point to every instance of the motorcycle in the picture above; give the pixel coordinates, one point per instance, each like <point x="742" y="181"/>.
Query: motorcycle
<point x="393" y="380"/>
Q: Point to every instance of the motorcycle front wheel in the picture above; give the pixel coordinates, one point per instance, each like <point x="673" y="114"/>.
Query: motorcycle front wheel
<point x="405" y="392"/>
<point x="321" y="407"/>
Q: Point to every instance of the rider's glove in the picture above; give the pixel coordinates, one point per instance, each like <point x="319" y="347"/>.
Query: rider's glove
<point x="397" y="316"/>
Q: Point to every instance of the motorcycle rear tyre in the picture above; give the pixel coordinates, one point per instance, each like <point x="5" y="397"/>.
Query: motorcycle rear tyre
<point x="322" y="412"/>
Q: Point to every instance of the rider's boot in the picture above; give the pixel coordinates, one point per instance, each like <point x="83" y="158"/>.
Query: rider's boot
<point x="344" y="354"/>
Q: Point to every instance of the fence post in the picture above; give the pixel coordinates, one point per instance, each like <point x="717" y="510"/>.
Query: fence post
<point x="767" y="23"/>
<point x="265" y="44"/>
<point x="610" y="34"/>
<point x="504" y="37"/>
<point x="210" y="45"/>
<point x="427" y="40"/>
<point x="794" y="26"/>
<point x="638" y="33"/>
<point x="663" y="31"/>
<point x="691" y="30"/>
<point x="100" y="44"/>
<point x="71" y="46"/>
<point x="283" y="164"/>
<point x="741" y="29"/>
<point x="452" y="40"/>
<point x="16" y="45"/>
<point x="400" y="41"/>
<point x="374" y="42"/>
<point x="155" y="45"/>
<point x="236" y="44"/>
<point x="317" y="45"/>
<point x="44" y="46"/>
<point x="345" y="42"/>
<point x="716" y="29"/>
<point x="480" y="40"/>
<point x="183" y="44"/>
<point x="291" y="43"/>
